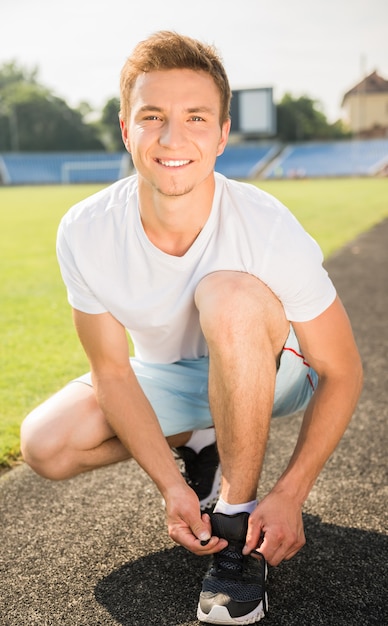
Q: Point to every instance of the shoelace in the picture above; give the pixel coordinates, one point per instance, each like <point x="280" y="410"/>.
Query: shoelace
<point x="229" y="563"/>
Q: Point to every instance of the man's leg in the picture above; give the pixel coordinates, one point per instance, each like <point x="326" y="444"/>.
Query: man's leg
<point x="68" y="434"/>
<point x="245" y="328"/>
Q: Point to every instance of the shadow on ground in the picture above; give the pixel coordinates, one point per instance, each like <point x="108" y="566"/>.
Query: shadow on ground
<point x="338" y="578"/>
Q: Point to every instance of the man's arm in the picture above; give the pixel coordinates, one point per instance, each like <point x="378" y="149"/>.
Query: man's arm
<point x="328" y="345"/>
<point x="132" y="418"/>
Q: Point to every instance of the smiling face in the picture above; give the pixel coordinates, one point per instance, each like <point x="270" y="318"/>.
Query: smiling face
<point x="173" y="132"/>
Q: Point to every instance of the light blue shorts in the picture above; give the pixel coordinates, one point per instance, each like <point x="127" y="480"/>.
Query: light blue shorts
<point x="178" y="392"/>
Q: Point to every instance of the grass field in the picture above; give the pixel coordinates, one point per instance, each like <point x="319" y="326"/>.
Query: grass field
<point x="39" y="349"/>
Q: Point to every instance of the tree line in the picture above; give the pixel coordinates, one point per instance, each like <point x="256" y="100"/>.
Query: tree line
<point x="33" y="118"/>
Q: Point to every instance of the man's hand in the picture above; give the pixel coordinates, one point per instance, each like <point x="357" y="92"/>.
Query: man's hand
<point x="187" y="527"/>
<point x="275" y="528"/>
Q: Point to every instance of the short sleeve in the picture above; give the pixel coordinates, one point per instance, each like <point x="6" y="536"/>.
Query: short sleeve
<point x="79" y="294"/>
<point x="294" y="269"/>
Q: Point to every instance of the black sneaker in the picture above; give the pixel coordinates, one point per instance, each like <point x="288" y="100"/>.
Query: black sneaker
<point x="202" y="473"/>
<point x="233" y="590"/>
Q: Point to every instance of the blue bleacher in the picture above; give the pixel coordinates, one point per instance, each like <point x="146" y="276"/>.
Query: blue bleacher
<point x="316" y="159"/>
<point x="55" y="168"/>
<point x="335" y="158"/>
<point x="243" y="161"/>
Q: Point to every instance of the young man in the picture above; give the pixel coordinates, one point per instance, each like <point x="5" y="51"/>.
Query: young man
<point x="233" y="320"/>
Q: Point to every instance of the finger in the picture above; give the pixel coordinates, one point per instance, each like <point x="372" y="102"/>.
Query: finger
<point x="201" y="531"/>
<point x="253" y="540"/>
<point x="290" y="554"/>
<point x="271" y="546"/>
<point x="194" y="545"/>
<point x="191" y="533"/>
<point x="275" y="552"/>
<point x="206" y="520"/>
<point x="295" y="547"/>
<point x="215" y="544"/>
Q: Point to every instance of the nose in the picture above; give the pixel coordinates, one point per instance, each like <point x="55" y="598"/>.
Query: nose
<point x="172" y="135"/>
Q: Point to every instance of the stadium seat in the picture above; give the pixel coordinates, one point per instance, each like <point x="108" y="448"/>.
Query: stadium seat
<point x="245" y="161"/>
<point x="333" y="158"/>
<point x="55" y="168"/>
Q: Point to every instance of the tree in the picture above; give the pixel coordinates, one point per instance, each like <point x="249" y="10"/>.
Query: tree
<point x="11" y="73"/>
<point x="110" y="127"/>
<point x="33" y="119"/>
<point x="301" y="119"/>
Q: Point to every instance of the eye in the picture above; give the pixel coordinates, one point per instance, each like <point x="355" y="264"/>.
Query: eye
<point x="196" y="118"/>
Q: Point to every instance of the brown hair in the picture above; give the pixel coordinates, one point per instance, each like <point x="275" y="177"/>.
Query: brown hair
<point x="166" y="50"/>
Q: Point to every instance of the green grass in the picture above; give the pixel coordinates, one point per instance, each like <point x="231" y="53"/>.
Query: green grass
<point x="333" y="211"/>
<point x="39" y="348"/>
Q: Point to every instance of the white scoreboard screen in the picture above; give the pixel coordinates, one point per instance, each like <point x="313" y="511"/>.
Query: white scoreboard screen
<point x="253" y="112"/>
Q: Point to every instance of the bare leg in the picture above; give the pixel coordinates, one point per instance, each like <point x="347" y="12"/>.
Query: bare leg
<point x="245" y="328"/>
<point x="68" y="434"/>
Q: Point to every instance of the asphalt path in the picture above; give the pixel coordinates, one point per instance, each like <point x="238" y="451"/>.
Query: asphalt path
<point x="95" y="551"/>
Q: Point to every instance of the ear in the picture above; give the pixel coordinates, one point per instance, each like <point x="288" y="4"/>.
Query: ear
<point x="125" y="135"/>
<point x="225" y="129"/>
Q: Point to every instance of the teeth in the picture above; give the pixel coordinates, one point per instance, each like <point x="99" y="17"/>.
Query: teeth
<point x="174" y="163"/>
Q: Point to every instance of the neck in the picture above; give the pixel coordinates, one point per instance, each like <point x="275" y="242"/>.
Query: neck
<point x="173" y="223"/>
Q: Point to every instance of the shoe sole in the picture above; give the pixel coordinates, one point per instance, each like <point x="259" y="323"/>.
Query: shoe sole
<point x="221" y="615"/>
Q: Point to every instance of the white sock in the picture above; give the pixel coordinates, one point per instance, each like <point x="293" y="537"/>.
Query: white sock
<point x="201" y="438"/>
<point x="231" y="509"/>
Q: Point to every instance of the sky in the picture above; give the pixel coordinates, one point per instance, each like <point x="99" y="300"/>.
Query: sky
<point x="305" y="47"/>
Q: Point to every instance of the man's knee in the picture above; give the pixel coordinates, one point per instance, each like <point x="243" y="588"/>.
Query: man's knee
<point x="42" y="449"/>
<point x="237" y="300"/>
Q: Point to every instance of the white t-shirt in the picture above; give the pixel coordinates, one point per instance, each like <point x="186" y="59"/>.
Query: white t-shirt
<point x="109" y="264"/>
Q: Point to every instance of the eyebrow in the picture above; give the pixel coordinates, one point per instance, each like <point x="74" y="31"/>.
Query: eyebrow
<point x="201" y="109"/>
<point x="150" y="107"/>
<point x="197" y="109"/>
